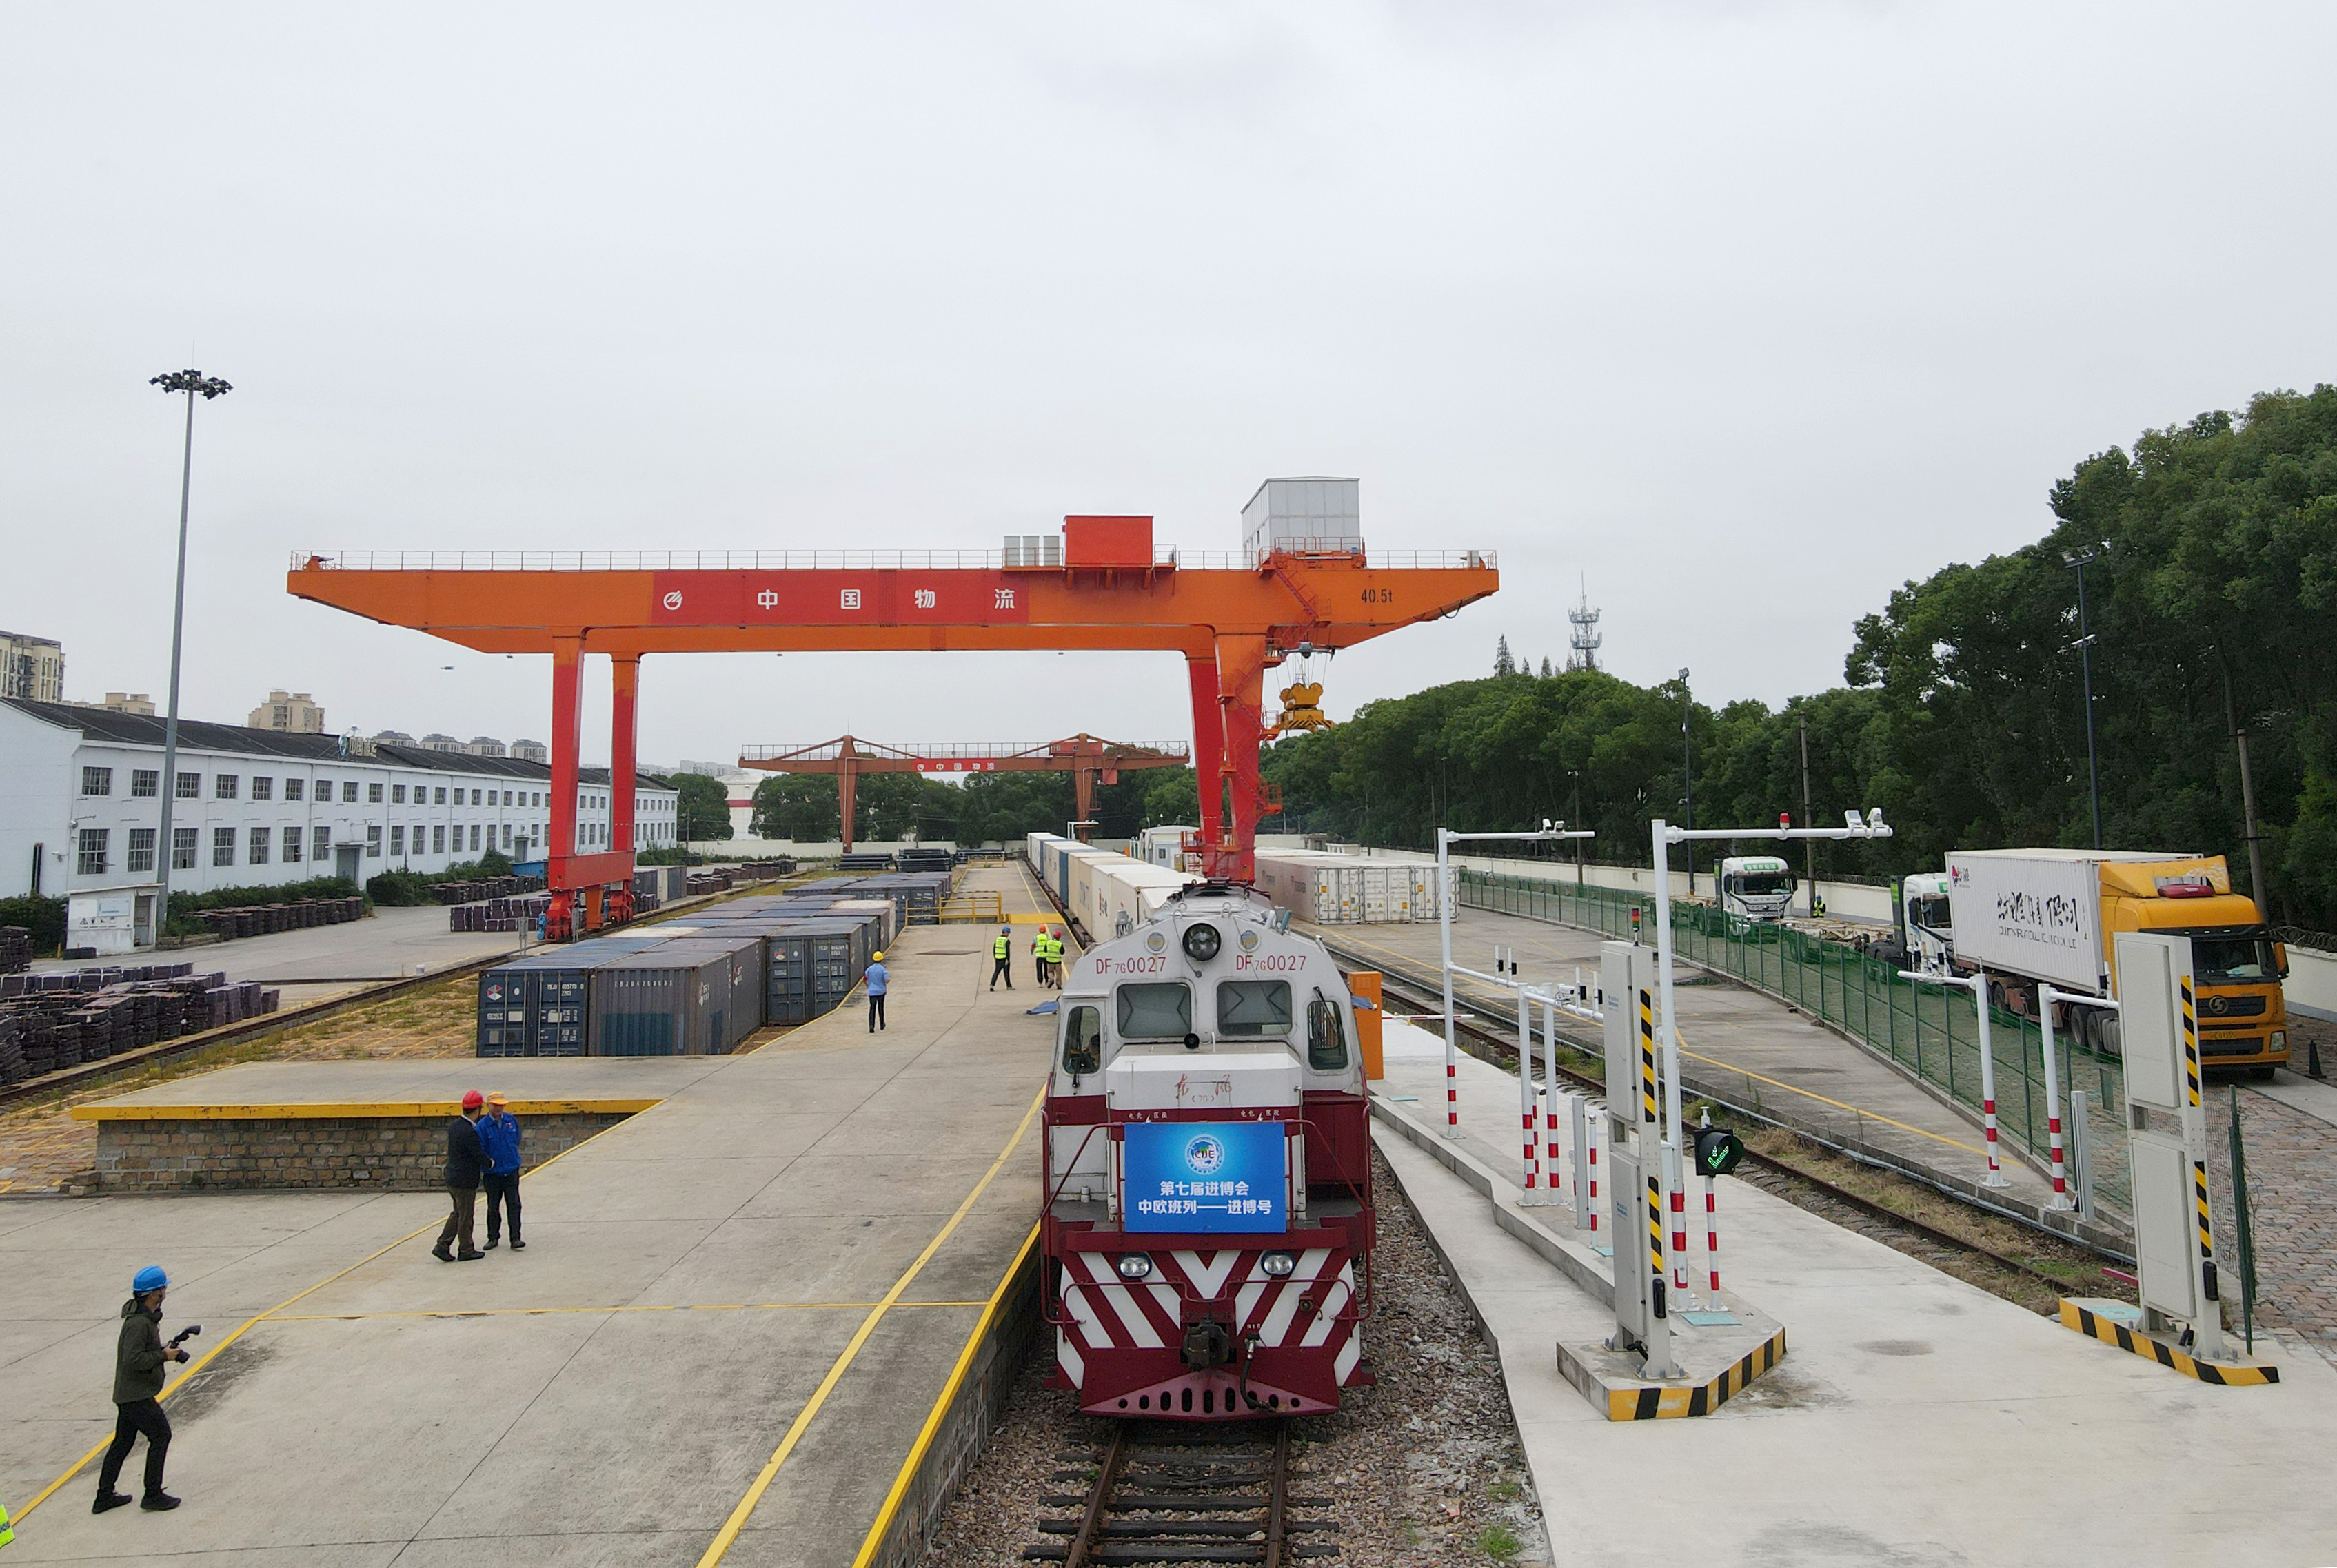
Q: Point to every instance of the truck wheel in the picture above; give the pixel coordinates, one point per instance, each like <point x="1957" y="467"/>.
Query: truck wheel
<point x="2108" y="1040"/>
<point x="2261" y="1075"/>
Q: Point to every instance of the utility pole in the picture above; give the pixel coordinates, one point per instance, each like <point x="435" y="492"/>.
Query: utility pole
<point x="2077" y="560"/>
<point x="190" y="382"/>
<point x="1575" y="774"/>
<point x="2247" y="794"/>
<point x="1809" y="846"/>
<point x="1687" y="774"/>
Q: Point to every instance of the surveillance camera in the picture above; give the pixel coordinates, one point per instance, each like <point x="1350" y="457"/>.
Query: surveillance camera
<point x="1850" y="819"/>
<point x="1874" y="817"/>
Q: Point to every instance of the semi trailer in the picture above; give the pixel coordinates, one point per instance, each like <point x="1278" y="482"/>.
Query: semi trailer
<point x="2050" y="916"/>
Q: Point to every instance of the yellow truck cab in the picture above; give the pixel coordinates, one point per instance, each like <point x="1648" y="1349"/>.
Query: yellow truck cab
<point x="2236" y="966"/>
<point x="2053" y="915"/>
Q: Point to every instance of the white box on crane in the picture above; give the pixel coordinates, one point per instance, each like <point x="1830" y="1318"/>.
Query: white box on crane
<point x="1305" y="517"/>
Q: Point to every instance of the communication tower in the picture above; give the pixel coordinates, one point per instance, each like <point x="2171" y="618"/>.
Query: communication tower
<point x="1586" y="637"/>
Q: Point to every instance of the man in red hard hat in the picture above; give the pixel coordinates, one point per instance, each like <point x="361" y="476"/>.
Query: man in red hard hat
<point x="465" y="1163"/>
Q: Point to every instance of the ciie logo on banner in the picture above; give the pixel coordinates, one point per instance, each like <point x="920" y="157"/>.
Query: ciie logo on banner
<point x="1204" y="1154"/>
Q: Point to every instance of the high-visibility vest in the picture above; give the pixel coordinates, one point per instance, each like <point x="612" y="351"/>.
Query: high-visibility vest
<point x="1002" y="948"/>
<point x="7" y="1533"/>
<point x="1055" y="948"/>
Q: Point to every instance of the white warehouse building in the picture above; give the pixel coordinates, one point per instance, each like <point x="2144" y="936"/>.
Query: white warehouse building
<point x="81" y="807"/>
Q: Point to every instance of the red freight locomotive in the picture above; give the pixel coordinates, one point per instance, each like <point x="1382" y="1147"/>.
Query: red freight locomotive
<point x="1208" y="1223"/>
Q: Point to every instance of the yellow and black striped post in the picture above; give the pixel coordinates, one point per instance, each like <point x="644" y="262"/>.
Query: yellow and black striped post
<point x="1654" y="1166"/>
<point x="2195" y="1135"/>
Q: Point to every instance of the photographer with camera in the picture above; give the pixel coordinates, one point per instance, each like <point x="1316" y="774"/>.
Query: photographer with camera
<point x="139" y="1359"/>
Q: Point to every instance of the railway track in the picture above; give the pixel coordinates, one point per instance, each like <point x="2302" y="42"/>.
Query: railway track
<point x="1806" y="1188"/>
<point x="1159" y="1492"/>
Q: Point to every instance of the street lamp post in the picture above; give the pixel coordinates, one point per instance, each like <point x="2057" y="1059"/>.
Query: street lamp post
<point x="2077" y="560"/>
<point x="1687" y="773"/>
<point x="192" y="382"/>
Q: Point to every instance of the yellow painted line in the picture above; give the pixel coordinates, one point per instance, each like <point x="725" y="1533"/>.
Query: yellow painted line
<point x="873" y="1541"/>
<point x="208" y="1356"/>
<point x="117" y="1111"/>
<point x="555" y="1311"/>
<point x="729" y="1534"/>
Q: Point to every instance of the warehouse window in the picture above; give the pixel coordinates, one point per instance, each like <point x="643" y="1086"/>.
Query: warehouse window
<point x="223" y="846"/>
<point x="90" y="861"/>
<point x="322" y="850"/>
<point x="182" y="848"/>
<point x="475" y="797"/>
<point x="97" y="781"/>
<point x="1155" y="1012"/>
<point x="396" y="839"/>
<point x="226" y="786"/>
<point x="291" y="845"/>
<point x="256" y="854"/>
<point x="292" y="787"/>
<point x="373" y="794"/>
<point x="506" y="835"/>
<point x="349" y="792"/>
<point x="397" y="794"/>
<point x="262" y="788"/>
<point x="146" y="782"/>
<point x="438" y="837"/>
<point x="475" y="835"/>
<point x="442" y="795"/>
<point x="373" y="839"/>
<point x="324" y="790"/>
<point x="141" y="857"/>
<point x="191" y="786"/>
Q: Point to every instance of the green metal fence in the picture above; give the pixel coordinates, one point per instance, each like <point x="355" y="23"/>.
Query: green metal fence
<point x="1931" y="1031"/>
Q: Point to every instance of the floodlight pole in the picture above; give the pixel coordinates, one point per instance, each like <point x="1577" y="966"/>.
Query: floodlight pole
<point x="1445" y="838"/>
<point x="190" y="382"/>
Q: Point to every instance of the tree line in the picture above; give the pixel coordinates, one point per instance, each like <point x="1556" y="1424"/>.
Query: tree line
<point x="2211" y="601"/>
<point x="994" y="807"/>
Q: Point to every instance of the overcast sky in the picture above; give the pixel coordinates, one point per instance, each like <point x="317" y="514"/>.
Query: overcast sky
<point x="1743" y="313"/>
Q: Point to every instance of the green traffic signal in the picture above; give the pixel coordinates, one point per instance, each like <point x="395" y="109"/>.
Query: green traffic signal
<point x="1717" y="1151"/>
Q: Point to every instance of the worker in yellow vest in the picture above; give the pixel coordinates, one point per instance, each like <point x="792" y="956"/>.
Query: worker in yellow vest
<point x="1055" y="957"/>
<point x="1038" y="954"/>
<point x="1001" y="959"/>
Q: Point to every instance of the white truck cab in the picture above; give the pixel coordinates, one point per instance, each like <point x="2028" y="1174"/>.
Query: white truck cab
<point x="1930" y="933"/>
<point x="1755" y="887"/>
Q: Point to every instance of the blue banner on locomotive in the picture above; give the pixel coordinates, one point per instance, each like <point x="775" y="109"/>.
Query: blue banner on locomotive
<point x="1208" y="1226"/>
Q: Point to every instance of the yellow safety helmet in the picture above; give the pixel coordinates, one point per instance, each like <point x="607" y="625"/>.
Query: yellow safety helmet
<point x="875" y="958"/>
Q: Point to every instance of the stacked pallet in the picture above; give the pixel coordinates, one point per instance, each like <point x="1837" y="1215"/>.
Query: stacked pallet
<point x="501" y="914"/>
<point x="16" y="950"/>
<point x="49" y="1027"/>
<point x="266" y="919"/>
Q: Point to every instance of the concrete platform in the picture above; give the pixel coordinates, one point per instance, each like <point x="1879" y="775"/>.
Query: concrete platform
<point x="1734" y="1043"/>
<point x="1917" y="1421"/>
<point x="737" y="1317"/>
<point x="323" y="962"/>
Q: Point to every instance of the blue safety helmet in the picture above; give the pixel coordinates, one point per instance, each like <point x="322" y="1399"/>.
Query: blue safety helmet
<point x="150" y="1278"/>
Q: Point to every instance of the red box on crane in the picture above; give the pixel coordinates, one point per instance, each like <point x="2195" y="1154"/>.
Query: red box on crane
<point x="1107" y="541"/>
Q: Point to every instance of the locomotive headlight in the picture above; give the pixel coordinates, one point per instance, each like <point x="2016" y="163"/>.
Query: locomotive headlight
<point x="1135" y="1266"/>
<point x="1202" y="943"/>
<point x="1278" y="1265"/>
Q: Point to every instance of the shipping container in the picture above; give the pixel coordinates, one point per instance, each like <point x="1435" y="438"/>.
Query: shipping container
<point x="541" y="1004"/>
<point x="1346" y="889"/>
<point x="700" y="996"/>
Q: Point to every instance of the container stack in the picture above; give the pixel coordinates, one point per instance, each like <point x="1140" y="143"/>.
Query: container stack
<point x="1331" y="890"/>
<point x="689" y="997"/>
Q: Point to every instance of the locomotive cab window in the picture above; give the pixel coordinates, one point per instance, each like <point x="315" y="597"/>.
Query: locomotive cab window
<point x="1326" y="1037"/>
<point x="1083" y="1040"/>
<point x="1254" y="1010"/>
<point x="1158" y="1011"/>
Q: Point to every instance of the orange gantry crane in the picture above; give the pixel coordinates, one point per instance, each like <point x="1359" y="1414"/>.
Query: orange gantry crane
<point x="1088" y="761"/>
<point x="1230" y="616"/>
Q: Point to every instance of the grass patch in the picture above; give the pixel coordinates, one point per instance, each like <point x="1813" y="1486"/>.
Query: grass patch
<point x="1499" y="1542"/>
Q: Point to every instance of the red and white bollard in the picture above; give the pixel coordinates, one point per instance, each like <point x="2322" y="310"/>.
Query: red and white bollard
<point x="1526" y="1109"/>
<point x="1550" y="1097"/>
<point x="1712" y="1238"/>
<point x="1676" y="1179"/>
<point x="1590" y="1162"/>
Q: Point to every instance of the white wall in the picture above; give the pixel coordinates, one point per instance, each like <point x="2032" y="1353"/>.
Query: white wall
<point x="35" y="803"/>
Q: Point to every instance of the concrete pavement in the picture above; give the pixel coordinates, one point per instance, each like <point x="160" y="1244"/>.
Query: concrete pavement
<point x="1916" y="1420"/>
<point x="323" y="962"/>
<point x="822" y="1220"/>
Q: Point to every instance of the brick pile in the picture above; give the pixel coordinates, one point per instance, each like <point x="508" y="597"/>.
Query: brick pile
<point x="499" y="915"/>
<point x="485" y="888"/>
<point x="16" y="950"/>
<point x="265" y="920"/>
<point x="49" y="1022"/>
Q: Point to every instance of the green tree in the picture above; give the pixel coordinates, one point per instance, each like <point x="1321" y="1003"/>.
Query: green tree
<point x="703" y="811"/>
<point x="801" y="807"/>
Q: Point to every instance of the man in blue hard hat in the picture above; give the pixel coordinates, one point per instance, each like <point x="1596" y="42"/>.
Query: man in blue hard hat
<point x="139" y="1357"/>
<point x="1001" y="959"/>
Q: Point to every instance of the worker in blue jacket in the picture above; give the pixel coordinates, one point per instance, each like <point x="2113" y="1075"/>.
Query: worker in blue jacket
<point x="880" y="981"/>
<point x="499" y="1148"/>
